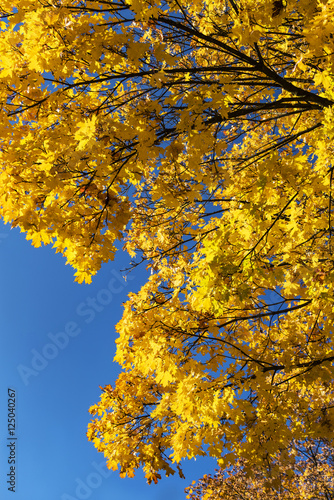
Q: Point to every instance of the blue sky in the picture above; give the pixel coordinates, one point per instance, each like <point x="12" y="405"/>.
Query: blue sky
<point x="57" y="346"/>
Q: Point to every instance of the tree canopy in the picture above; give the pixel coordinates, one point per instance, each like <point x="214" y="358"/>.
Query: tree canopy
<point x="311" y="478"/>
<point x="199" y="134"/>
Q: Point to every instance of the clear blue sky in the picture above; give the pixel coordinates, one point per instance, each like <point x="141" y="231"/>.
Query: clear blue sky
<point x="39" y="301"/>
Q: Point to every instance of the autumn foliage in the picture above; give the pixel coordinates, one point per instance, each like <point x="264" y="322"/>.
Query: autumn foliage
<point x="311" y="478"/>
<point x="200" y="134"/>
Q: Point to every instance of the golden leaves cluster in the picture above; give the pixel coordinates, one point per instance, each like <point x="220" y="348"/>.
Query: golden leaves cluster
<point x="201" y="137"/>
<point x="312" y="477"/>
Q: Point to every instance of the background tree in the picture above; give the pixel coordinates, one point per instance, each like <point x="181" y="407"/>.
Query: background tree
<point x="200" y="135"/>
<point x="312" y="478"/>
